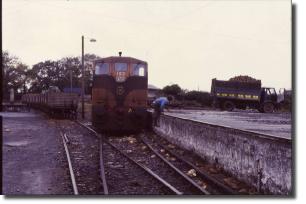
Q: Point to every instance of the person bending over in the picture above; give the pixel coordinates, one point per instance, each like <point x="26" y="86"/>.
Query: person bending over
<point x="159" y="104"/>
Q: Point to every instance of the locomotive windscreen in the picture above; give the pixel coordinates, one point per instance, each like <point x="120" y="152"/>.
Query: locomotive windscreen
<point x="102" y="68"/>
<point x="139" y="70"/>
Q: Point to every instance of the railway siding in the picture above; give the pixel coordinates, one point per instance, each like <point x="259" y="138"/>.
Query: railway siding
<point x="141" y="153"/>
<point x="84" y="155"/>
<point x="259" y="160"/>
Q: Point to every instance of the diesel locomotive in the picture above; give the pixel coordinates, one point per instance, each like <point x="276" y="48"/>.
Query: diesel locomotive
<point x="119" y="94"/>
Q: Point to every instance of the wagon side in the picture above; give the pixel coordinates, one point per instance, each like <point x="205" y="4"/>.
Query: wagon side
<point x="62" y="103"/>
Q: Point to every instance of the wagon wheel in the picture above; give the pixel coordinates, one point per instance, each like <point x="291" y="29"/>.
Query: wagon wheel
<point x="228" y="105"/>
<point x="268" y="107"/>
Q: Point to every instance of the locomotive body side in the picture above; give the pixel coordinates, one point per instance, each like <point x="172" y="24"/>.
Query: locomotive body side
<point x="119" y="94"/>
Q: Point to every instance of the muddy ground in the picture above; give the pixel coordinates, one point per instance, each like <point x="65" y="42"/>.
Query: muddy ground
<point x="34" y="161"/>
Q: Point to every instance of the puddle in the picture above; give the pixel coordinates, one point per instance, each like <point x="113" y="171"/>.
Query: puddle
<point x="18" y="114"/>
<point x="17" y="143"/>
<point x="7" y="130"/>
<point x="36" y="182"/>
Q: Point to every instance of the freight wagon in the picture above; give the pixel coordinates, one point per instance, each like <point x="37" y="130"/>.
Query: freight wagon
<point x="228" y="95"/>
<point x="54" y="103"/>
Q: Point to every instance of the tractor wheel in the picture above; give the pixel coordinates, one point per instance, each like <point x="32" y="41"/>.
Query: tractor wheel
<point x="228" y="106"/>
<point x="285" y="106"/>
<point x="268" y="108"/>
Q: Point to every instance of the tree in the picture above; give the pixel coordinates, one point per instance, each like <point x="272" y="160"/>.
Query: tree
<point x="15" y="74"/>
<point x="45" y="74"/>
<point x="71" y="65"/>
<point x="174" y="90"/>
<point x="199" y="96"/>
<point x="57" y="73"/>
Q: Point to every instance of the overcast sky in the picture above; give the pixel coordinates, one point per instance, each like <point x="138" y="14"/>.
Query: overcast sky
<point x="184" y="42"/>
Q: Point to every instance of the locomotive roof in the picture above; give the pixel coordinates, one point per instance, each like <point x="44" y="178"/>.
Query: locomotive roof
<point x="120" y="59"/>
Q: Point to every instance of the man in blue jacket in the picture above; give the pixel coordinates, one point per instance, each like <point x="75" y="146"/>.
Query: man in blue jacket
<point x="159" y="104"/>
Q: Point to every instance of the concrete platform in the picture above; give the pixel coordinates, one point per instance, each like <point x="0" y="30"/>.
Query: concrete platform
<point x="33" y="162"/>
<point x="260" y="160"/>
<point x="274" y="124"/>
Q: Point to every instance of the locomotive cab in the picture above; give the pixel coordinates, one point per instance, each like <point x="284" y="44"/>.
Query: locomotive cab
<point x="119" y="94"/>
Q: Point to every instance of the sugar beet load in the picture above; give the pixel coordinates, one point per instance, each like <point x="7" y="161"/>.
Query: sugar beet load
<point x="241" y="94"/>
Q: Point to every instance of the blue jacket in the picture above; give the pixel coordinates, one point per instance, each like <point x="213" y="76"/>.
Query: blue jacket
<point x="161" y="102"/>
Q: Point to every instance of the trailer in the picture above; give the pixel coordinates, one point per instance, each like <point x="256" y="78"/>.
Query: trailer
<point x="229" y="95"/>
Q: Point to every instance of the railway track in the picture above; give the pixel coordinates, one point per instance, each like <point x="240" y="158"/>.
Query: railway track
<point x="138" y="164"/>
<point x="166" y="188"/>
<point x="83" y="160"/>
<point x="152" y="156"/>
<point x="210" y="183"/>
<point x="71" y="171"/>
<point x="152" y="160"/>
<point x="102" y="169"/>
<point x="218" y="180"/>
<point x="171" y="172"/>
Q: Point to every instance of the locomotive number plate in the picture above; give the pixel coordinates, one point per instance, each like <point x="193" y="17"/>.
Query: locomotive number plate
<point x="120" y="76"/>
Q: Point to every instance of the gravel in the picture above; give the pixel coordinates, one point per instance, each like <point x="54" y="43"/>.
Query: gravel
<point x="84" y="153"/>
<point x="213" y="170"/>
<point x="139" y="152"/>
<point x="126" y="178"/>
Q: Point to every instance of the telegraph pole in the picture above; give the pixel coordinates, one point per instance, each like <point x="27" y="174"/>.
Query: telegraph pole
<point x="83" y="83"/>
<point x="83" y="74"/>
<point x="71" y="80"/>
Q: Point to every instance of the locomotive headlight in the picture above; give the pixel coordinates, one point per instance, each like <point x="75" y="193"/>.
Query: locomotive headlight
<point x="120" y="90"/>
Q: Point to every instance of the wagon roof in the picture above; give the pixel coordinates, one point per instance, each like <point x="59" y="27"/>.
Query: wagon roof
<point x="120" y="59"/>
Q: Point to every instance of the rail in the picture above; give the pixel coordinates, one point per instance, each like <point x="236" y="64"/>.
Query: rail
<point x="183" y="175"/>
<point x="102" y="168"/>
<point x="72" y="176"/>
<point x="206" y="175"/>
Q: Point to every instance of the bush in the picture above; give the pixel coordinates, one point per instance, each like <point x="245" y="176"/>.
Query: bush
<point x="199" y="96"/>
